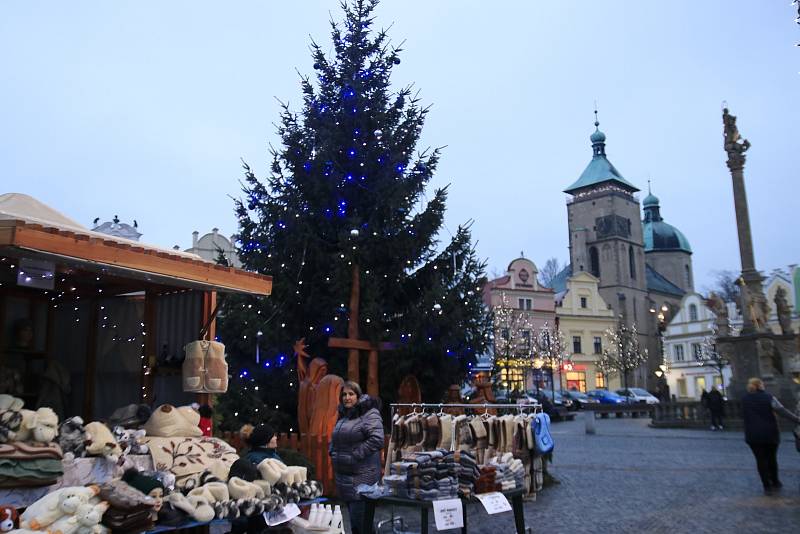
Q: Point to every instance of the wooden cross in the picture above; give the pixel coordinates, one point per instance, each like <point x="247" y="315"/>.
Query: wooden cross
<point x="354" y="345"/>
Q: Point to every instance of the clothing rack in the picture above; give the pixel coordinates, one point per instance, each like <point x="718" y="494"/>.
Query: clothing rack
<point x="445" y="405"/>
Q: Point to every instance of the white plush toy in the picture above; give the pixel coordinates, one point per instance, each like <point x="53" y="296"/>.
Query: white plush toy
<point x="51" y="507"/>
<point x="84" y="520"/>
<point x="100" y="442"/>
<point x="40" y="426"/>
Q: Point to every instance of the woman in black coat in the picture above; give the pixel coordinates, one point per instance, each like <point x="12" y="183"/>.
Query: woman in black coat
<point x="761" y="431"/>
<point x="355" y="448"/>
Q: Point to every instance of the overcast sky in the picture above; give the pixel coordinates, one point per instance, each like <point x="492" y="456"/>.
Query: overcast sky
<point x="144" y="109"/>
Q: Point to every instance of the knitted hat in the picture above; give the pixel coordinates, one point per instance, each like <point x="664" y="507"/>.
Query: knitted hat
<point x="141" y="482"/>
<point x="244" y="469"/>
<point x="261" y="436"/>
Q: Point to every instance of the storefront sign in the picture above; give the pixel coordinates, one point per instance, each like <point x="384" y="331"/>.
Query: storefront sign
<point x="290" y="511"/>
<point x="448" y="514"/>
<point x="494" y="503"/>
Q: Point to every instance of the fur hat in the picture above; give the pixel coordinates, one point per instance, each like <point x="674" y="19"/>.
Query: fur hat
<point x="213" y="492"/>
<point x="242" y="489"/>
<point x="196" y="506"/>
<point x="143" y="483"/>
<point x="244" y="469"/>
<point x="168" y="422"/>
<point x="72" y="437"/>
<point x="261" y="436"/>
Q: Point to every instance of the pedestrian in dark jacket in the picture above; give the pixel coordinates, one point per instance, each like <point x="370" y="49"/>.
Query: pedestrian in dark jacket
<point x="716" y="405"/>
<point x="761" y="431"/>
<point x="355" y="448"/>
<point x="263" y="444"/>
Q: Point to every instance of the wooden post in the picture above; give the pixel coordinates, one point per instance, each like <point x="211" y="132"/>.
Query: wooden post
<point x="208" y="306"/>
<point x="353" y="362"/>
<point x="372" y="374"/>
<point x="149" y="361"/>
<point x="91" y="363"/>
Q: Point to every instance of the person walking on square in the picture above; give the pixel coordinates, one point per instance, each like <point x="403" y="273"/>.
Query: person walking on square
<point x="716" y="405"/>
<point x="761" y="431"/>
<point x="355" y="448"/>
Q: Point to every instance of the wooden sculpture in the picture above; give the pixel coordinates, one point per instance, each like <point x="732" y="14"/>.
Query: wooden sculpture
<point x="310" y="376"/>
<point x="408" y="393"/>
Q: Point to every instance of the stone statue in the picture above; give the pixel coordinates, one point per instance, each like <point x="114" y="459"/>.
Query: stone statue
<point x="755" y="305"/>
<point x="784" y="311"/>
<point x="733" y="147"/>
<point x="720" y="309"/>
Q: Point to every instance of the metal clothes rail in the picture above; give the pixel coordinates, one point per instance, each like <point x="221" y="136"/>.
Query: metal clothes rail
<point x="483" y="406"/>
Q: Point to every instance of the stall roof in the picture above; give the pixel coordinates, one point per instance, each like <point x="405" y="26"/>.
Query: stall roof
<point x="30" y="228"/>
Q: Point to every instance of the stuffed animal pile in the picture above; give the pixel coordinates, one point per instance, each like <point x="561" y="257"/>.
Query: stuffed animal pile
<point x="70" y="510"/>
<point x="28" y="455"/>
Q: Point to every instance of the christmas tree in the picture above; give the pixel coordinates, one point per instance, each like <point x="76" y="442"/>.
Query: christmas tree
<point x="347" y="191"/>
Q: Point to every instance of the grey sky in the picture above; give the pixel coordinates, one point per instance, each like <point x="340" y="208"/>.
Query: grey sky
<point x="144" y="108"/>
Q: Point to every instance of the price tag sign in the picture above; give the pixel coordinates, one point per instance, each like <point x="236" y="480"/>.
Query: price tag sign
<point x="448" y="514"/>
<point x="494" y="503"/>
<point x="290" y="511"/>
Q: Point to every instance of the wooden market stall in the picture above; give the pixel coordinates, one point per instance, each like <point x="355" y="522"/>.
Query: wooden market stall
<point x="90" y="322"/>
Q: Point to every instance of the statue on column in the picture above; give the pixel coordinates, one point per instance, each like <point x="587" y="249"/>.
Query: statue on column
<point x="783" y="311"/>
<point x="733" y="147"/>
<point x="755" y="304"/>
<point x="720" y="309"/>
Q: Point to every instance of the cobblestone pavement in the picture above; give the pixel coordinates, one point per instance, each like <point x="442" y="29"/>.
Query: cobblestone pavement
<point x="629" y="478"/>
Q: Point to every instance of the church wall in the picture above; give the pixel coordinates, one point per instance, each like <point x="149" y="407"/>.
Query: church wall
<point x="672" y="265"/>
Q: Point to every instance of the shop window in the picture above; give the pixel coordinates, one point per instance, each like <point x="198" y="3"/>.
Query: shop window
<point x="599" y="381"/>
<point x="576" y="345"/>
<point x="576" y="380"/>
<point x="598" y="345"/>
<point x="699" y="385"/>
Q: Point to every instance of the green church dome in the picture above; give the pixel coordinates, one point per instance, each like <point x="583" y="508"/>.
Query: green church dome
<point x="659" y="235"/>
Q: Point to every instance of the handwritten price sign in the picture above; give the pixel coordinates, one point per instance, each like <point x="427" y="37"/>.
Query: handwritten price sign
<point x="494" y="503"/>
<point x="448" y="514"/>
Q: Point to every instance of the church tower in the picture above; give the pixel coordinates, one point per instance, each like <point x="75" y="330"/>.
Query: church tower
<point x="666" y="248"/>
<point x="605" y="235"/>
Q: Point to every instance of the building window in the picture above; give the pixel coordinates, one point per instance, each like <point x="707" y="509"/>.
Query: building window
<point x="576" y="345"/>
<point x="598" y="345"/>
<point x="525" y="304"/>
<point x="688" y="276"/>
<point x="594" y="262"/>
<point x="599" y="381"/>
<point x="632" y="263"/>
<point x="504" y="334"/>
<point x="526" y="340"/>
<point x="692" y="312"/>
<point x="682" y="388"/>
<point x="699" y="385"/>
<point x="697" y="351"/>
<point x="583" y="302"/>
<point x="678" y="353"/>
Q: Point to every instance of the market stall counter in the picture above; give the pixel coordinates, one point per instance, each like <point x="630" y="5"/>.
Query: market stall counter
<point x="424" y="506"/>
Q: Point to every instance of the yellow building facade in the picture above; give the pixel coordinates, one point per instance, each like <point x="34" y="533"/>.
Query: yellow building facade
<point x="583" y="318"/>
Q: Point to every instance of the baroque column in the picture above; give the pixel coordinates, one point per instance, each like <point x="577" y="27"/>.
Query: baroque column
<point x="753" y="302"/>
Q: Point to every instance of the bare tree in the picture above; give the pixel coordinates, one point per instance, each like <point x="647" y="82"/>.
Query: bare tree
<point x="549" y="271"/>
<point x="725" y="286"/>
<point x="622" y="353"/>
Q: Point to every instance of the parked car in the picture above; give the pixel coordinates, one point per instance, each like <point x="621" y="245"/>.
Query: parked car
<point x="638" y="395"/>
<point x="605" y="397"/>
<point x="579" y="399"/>
<point x="557" y="410"/>
<point x="560" y="399"/>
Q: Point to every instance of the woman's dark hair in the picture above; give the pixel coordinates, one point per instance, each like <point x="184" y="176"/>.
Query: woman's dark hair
<point x="352" y="386"/>
<point x="205" y="411"/>
<point x="261" y="436"/>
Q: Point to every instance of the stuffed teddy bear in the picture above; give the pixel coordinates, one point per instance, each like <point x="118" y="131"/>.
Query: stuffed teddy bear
<point x="40" y="425"/>
<point x="85" y="520"/>
<point x="7" y="402"/>
<point x="8" y="518"/>
<point x="130" y="440"/>
<point x="100" y="442"/>
<point x="72" y="437"/>
<point x="52" y="506"/>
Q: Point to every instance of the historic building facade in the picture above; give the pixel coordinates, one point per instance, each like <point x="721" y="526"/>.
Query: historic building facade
<point x="212" y="244"/>
<point x="583" y="318"/>
<point x="609" y="239"/>
<point x="530" y="307"/>
<point x="686" y="336"/>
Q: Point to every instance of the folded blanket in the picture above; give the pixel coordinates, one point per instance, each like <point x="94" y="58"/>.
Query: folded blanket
<point x="22" y="450"/>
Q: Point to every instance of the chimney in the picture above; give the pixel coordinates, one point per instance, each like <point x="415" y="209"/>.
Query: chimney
<point x="195" y="234"/>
